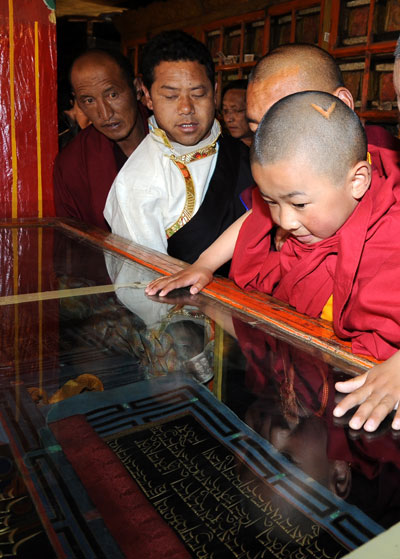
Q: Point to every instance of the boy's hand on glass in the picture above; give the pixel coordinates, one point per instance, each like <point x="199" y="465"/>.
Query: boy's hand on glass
<point x="196" y="276"/>
<point x="376" y="392"/>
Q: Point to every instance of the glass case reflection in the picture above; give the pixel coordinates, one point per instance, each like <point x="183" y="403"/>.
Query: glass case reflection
<point x="117" y="408"/>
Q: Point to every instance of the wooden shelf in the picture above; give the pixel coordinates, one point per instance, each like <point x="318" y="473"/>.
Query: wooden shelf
<point x="235" y="66"/>
<point x="363" y="22"/>
<point x="378" y="116"/>
<point x="360" y="50"/>
<point x="322" y="22"/>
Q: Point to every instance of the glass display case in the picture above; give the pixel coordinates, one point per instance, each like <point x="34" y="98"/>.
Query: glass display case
<point x="188" y="426"/>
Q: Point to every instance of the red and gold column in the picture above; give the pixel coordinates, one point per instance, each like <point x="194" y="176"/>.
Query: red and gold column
<point x="28" y="107"/>
<point x="28" y="144"/>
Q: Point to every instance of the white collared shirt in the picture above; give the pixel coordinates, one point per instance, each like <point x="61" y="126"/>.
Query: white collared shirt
<point x="149" y="193"/>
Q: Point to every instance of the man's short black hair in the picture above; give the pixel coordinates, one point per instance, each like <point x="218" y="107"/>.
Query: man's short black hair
<point x="121" y="60"/>
<point x="235" y="84"/>
<point x="174" y="46"/>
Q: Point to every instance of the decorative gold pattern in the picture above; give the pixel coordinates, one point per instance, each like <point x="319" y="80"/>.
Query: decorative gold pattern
<point x="210" y="497"/>
<point x="181" y="162"/>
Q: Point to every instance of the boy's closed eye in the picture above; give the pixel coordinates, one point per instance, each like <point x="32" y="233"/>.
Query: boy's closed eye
<point x="299" y="206"/>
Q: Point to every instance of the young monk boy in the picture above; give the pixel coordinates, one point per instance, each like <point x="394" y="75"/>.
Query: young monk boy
<point x="341" y="260"/>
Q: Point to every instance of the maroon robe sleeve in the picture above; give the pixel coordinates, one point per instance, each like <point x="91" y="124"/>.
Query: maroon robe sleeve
<point x="253" y="249"/>
<point x="83" y="174"/>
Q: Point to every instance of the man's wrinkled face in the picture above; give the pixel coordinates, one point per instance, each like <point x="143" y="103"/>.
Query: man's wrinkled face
<point x="234" y="113"/>
<point x="183" y="101"/>
<point x="105" y="97"/>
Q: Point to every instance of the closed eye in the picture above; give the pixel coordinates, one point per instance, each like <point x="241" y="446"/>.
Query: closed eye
<point x="299" y="206"/>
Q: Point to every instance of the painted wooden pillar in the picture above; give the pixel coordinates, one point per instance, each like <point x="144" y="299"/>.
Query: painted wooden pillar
<point x="28" y="107"/>
<point x="28" y="144"/>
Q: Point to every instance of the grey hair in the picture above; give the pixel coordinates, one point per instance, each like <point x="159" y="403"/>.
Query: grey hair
<point x="397" y="50"/>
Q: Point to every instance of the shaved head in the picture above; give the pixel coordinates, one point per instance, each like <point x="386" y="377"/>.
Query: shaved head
<point x="312" y="67"/>
<point x="289" y="69"/>
<point x="314" y="127"/>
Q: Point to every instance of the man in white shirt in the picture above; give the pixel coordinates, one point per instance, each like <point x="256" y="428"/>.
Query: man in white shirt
<point x="181" y="188"/>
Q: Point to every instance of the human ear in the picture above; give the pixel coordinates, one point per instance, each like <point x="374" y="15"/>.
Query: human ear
<point x="344" y="95"/>
<point x="215" y="94"/>
<point x="340" y="478"/>
<point x="147" y="97"/>
<point x="360" y="177"/>
<point x="138" y="84"/>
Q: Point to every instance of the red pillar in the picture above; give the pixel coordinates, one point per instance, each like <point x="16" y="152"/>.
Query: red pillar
<point x="28" y="107"/>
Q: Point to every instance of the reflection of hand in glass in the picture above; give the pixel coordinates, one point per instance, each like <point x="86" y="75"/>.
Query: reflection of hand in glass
<point x="215" y="312"/>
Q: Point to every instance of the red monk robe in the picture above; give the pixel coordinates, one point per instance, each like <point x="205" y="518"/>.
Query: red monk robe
<point x="359" y="265"/>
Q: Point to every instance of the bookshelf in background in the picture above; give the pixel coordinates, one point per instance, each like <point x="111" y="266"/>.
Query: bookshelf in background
<point x="132" y="50"/>
<point x="363" y="38"/>
<point x="296" y="21"/>
<point x="360" y="34"/>
<point x="236" y="44"/>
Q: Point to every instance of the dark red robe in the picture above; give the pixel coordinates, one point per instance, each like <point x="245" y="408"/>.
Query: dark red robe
<point x="360" y="264"/>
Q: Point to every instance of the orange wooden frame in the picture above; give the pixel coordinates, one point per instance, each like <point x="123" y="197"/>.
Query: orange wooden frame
<point x="314" y="335"/>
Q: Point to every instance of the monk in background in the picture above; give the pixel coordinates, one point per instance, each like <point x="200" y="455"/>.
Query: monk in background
<point x="105" y="90"/>
<point x="234" y="111"/>
<point x="296" y="67"/>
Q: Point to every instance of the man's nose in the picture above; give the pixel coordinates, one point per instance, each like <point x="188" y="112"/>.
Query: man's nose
<point x="104" y="110"/>
<point x="185" y="105"/>
<point x="288" y="219"/>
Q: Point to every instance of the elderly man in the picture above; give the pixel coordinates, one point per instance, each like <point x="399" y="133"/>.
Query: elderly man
<point x="181" y="188"/>
<point x="234" y="111"/>
<point x="103" y="85"/>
